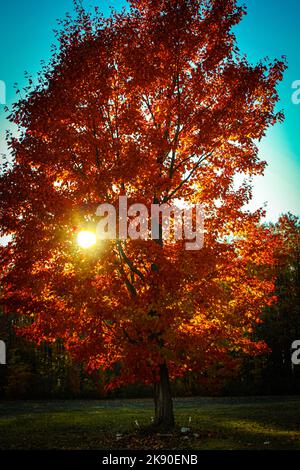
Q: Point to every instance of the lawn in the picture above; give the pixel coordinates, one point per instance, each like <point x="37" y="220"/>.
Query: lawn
<point x="216" y="423"/>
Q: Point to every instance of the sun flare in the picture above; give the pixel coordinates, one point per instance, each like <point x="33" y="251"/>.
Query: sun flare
<point x="86" y="239"/>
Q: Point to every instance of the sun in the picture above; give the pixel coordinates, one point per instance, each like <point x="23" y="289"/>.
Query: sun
<point x="86" y="239"/>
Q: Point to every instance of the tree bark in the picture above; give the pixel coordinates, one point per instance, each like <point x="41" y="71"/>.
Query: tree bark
<point x="164" y="415"/>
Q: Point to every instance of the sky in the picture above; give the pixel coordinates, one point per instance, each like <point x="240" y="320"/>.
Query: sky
<point x="271" y="29"/>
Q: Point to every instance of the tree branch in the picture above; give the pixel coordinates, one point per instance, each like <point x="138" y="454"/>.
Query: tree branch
<point x="128" y="261"/>
<point x="201" y="159"/>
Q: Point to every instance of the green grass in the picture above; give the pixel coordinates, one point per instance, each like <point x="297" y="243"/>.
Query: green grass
<point x="261" y="423"/>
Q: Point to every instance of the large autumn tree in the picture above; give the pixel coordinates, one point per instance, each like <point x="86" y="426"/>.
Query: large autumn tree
<point x="155" y="103"/>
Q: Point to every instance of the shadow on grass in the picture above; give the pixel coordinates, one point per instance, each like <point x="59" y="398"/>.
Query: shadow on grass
<point x="88" y="425"/>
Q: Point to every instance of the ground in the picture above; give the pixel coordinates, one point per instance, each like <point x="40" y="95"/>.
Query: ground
<point x="215" y="423"/>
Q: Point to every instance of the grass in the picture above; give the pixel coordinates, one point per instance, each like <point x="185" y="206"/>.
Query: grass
<point x="261" y="423"/>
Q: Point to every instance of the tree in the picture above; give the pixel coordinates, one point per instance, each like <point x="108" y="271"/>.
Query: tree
<point x="155" y="103"/>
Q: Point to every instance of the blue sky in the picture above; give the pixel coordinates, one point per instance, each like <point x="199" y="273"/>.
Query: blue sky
<point x="271" y="29"/>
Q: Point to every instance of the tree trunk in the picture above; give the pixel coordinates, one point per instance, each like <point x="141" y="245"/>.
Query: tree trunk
<point x="164" y="416"/>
